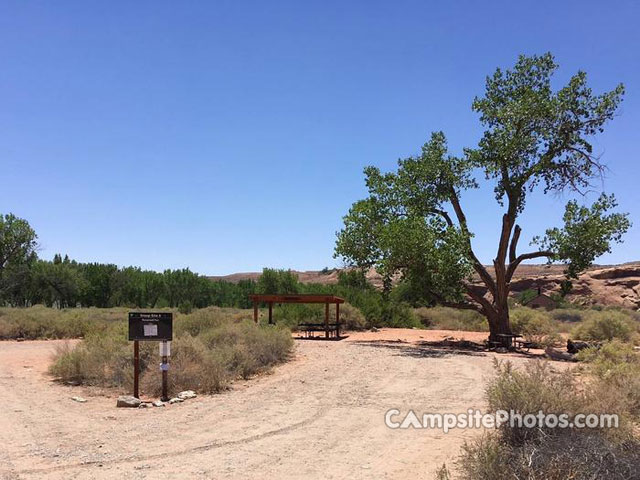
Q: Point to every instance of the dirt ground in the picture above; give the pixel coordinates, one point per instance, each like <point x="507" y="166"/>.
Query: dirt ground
<point x="318" y="416"/>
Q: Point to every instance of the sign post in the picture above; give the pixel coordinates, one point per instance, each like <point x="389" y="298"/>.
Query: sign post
<point x="165" y="351"/>
<point x="151" y="326"/>
<point x="136" y="369"/>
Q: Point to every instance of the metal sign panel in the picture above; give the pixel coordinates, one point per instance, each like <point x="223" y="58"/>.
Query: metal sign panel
<point x="154" y="326"/>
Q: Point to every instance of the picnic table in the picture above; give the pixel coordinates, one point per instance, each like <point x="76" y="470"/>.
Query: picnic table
<point x="512" y="341"/>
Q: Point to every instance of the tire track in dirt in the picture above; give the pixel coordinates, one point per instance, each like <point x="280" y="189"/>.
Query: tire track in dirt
<point x="164" y="455"/>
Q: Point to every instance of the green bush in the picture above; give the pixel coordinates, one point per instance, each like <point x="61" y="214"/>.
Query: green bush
<point x="568" y="315"/>
<point x="352" y="318"/>
<point x="399" y="315"/>
<point x="535" y="325"/>
<point x="185" y="307"/>
<point x="445" y="318"/>
<point x="607" y="325"/>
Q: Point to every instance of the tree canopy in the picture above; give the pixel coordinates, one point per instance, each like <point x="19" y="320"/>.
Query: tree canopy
<point x="413" y="222"/>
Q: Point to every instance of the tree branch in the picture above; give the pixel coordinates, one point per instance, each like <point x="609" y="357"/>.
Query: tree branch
<point x="462" y="220"/>
<point x="526" y="256"/>
<point x="514" y="243"/>
<point x="486" y="307"/>
<point x="444" y="215"/>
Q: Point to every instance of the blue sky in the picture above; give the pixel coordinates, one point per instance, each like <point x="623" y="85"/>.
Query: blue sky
<point x="228" y="136"/>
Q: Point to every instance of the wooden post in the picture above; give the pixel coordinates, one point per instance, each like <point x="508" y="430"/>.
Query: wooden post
<point x="270" y="313"/>
<point x="255" y="311"/>
<point x="136" y="368"/>
<point x="337" y="320"/>
<point x="326" y="320"/>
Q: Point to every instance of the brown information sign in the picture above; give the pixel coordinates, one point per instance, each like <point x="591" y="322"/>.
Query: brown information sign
<point x="151" y="326"/>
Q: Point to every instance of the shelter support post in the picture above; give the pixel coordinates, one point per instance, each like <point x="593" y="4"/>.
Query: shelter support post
<point x="337" y="320"/>
<point x="255" y="311"/>
<point x="326" y="320"/>
<point x="270" y="313"/>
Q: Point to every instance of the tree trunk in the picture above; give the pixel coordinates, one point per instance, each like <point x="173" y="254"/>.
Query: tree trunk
<point x="499" y="324"/>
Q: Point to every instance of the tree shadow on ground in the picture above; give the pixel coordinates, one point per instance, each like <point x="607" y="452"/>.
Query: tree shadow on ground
<point x="436" y="349"/>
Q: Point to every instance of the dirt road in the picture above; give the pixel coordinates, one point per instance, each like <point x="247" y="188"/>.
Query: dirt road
<point x="319" y="416"/>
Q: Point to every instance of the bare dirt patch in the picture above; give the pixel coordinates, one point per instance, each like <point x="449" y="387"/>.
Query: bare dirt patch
<point x="319" y="416"/>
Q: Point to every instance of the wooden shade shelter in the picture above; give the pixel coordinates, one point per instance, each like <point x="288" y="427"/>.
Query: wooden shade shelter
<point x="301" y="298"/>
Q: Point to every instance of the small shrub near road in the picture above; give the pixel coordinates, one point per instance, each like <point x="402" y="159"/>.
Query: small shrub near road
<point x="211" y="348"/>
<point x="556" y="454"/>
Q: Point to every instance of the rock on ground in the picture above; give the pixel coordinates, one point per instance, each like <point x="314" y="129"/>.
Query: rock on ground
<point x="187" y="394"/>
<point x="127" y="401"/>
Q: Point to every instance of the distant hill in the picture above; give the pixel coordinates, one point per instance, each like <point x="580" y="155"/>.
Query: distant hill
<point x="602" y="284"/>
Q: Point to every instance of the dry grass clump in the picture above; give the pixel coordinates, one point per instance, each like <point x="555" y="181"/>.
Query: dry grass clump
<point x="615" y="367"/>
<point x="40" y="322"/>
<point x="211" y="348"/>
<point x="554" y="454"/>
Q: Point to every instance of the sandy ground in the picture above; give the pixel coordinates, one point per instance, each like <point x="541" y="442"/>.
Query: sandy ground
<point x="318" y="416"/>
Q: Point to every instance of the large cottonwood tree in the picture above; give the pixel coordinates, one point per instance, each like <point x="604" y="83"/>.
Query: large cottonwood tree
<point x="413" y="221"/>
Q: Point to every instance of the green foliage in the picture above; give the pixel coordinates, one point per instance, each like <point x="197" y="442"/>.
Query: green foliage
<point x="587" y="234"/>
<point x="607" y="325"/>
<point x="613" y="359"/>
<point x="273" y="281"/>
<point x="17" y="251"/>
<point x="527" y="295"/>
<point x="445" y="318"/>
<point x="185" y="307"/>
<point x="535" y="326"/>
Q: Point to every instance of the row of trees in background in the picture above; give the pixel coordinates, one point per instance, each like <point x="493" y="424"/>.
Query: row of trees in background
<point x="65" y="283"/>
<point x="27" y="280"/>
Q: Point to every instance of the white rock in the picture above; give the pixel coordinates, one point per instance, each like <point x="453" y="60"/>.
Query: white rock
<point x="145" y="405"/>
<point x="187" y="394"/>
<point x="79" y="399"/>
<point x="158" y="403"/>
<point x="176" y="400"/>
<point x="128" y="401"/>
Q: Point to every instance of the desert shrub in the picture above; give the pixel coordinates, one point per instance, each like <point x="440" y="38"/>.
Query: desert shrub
<point x="42" y="322"/>
<point x="535" y="325"/>
<point x="607" y="325"/>
<point x="616" y="367"/>
<point x="199" y="321"/>
<point x="185" y="307"/>
<point x="568" y="315"/>
<point x="560" y="457"/>
<point x="352" y="318"/>
<point x="211" y="348"/>
<point x="531" y="389"/>
<point x="292" y="315"/>
<point x="545" y="453"/>
<point x="399" y="315"/>
<point x="446" y="318"/>
<point x="103" y="358"/>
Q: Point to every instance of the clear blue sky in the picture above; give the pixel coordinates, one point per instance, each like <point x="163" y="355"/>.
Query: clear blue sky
<point x="228" y="136"/>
